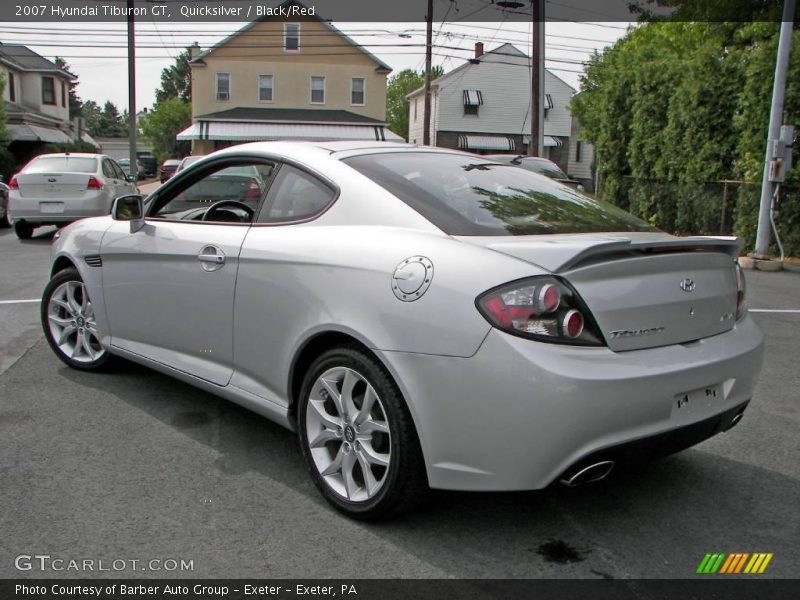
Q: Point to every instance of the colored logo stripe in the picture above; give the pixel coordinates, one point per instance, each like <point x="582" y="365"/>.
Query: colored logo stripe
<point x="723" y="563"/>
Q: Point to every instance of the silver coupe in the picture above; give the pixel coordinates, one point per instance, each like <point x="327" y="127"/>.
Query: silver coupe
<point x="423" y="318"/>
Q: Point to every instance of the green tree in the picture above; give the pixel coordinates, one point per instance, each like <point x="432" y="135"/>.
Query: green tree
<point x="399" y="86"/>
<point x="176" y="80"/>
<point x="111" y="122"/>
<point x="163" y="123"/>
<point x="92" y="115"/>
<point x="75" y="104"/>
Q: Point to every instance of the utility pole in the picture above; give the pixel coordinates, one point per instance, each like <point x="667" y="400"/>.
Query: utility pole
<point x="763" y="235"/>
<point x="132" y="93"/>
<point x="426" y="125"/>
<point x="536" y="144"/>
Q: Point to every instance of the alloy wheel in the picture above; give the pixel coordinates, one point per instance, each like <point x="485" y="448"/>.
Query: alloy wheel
<point x="348" y="434"/>
<point x="71" y="320"/>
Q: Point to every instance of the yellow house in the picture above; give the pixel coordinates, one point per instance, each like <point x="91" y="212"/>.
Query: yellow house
<point x="282" y="78"/>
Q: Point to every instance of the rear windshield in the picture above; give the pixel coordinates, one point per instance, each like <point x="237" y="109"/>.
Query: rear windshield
<point x="463" y="195"/>
<point x="62" y="164"/>
<point x="549" y="169"/>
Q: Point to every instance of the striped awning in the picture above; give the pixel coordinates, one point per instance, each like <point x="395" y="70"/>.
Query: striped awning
<point x="548" y="102"/>
<point x="500" y="143"/>
<point x="473" y="98"/>
<point x="256" y="132"/>
<point x="550" y="141"/>
<point x="25" y="132"/>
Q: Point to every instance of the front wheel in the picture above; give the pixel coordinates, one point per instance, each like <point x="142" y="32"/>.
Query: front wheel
<point x="358" y="438"/>
<point x="69" y="323"/>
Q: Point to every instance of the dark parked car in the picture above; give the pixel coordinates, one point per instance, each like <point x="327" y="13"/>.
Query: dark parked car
<point x="4" y="222"/>
<point x="539" y="165"/>
<point x="148" y="162"/>
<point x="188" y="160"/>
<point x="168" y="169"/>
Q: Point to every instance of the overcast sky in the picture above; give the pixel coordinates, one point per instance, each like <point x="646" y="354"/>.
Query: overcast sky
<point x="96" y="52"/>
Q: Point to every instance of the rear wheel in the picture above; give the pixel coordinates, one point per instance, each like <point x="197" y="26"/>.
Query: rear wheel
<point x="69" y="322"/>
<point x="358" y="438"/>
<point x="23" y="229"/>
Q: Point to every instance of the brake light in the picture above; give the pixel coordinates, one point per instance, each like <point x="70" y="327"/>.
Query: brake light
<point x="13" y="184"/>
<point x="253" y="189"/>
<point x="94" y="184"/>
<point x="542" y="308"/>
<point x="741" y="292"/>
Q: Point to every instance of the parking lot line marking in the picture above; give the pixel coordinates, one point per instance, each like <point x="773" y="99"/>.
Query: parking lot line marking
<point x="774" y="310"/>
<point x="28" y="301"/>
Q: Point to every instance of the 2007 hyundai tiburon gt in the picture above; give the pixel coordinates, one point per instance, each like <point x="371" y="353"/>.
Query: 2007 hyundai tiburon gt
<point x="421" y="317"/>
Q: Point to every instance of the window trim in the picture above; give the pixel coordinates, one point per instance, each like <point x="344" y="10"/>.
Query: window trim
<point x="216" y="86"/>
<point x="578" y="151"/>
<point x="363" y="91"/>
<point x="63" y="94"/>
<point x="53" y="90"/>
<point x="286" y="37"/>
<point x="258" y="88"/>
<point x="324" y="89"/>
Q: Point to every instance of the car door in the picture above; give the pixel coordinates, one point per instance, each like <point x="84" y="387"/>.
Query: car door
<point x="169" y="287"/>
<point x="126" y="187"/>
<point x="113" y="181"/>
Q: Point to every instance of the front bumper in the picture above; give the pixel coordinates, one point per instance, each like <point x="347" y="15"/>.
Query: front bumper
<point x="519" y="414"/>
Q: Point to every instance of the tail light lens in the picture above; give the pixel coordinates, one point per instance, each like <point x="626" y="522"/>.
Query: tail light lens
<point x="13" y="184"/>
<point x="253" y="189"/>
<point x="741" y="292"/>
<point x="543" y="308"/>
<point x="94" y="184"/>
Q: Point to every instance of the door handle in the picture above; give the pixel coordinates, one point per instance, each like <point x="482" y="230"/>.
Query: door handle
<point x="217" y="259"/>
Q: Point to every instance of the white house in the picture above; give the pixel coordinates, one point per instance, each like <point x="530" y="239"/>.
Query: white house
<point x="484" y="106"/>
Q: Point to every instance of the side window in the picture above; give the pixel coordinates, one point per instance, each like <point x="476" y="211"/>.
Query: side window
<point x="241" y="187"/>
<point x="108" y="169"/>
<point x="296" y="195"/>
<point x="118" y="172"/>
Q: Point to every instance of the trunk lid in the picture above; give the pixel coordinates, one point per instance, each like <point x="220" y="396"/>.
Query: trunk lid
<point x="55" y="186"/>
<point x="643" y="289"/>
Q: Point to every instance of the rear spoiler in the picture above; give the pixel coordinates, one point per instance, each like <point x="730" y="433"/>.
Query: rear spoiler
<point x="730" y="245"/>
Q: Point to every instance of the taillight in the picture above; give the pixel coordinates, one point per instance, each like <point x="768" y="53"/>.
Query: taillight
<point x="741" y="291"/>
<point x="542" y="308"/>
<point x="13" y="184"/>
<point x="253" y="189"/>
<point x="94" y="184"/>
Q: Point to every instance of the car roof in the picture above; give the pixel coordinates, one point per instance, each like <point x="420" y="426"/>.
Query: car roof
<point x="71" y="155"/>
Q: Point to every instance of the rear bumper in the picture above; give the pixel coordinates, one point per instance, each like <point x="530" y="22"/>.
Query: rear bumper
<point x="519" y="414"/>
<point x="30" y="209"/>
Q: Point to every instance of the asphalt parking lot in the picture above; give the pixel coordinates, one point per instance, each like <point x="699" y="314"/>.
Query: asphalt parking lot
<point x="133" y="465"/>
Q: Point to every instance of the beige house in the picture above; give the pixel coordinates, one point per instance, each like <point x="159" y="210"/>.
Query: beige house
<point x="36" y="97"/>
<point x="276" y="79"/>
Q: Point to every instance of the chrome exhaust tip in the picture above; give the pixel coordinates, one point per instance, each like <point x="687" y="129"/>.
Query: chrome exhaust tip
<point x="594" y="472"/>
<point x="735" y="421"/>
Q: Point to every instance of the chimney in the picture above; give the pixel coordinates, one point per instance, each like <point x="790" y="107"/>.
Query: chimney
<point x="194" y="50"/>
<point x="478" y="49"/>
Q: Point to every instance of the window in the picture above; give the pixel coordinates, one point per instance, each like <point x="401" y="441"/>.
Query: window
<point x="472" y="101"/>
<point x="357" y="95"/>
<point x="118" y="172"/>
<point x="63" y="94"/>
<point x="464" y="195"/>
<point x="415" y="109"/>
<point x="62" y="164"/>
<point x="48" y="90"/>
<point x="578" y="150"/>
<point x="243" y="186"/>
<point x="223" y="86"/>
<point x="291" y="37"/>
<point x="296" y="195"/>
<point x="317" y="90"/>
<point x="108" y="170"/>
<point x="265" y="88"/>
<point x="12" y="90"/>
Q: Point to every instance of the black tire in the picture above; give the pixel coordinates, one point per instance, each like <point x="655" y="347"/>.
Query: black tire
<point x="405" y="484"/>
<point x="23" y="229"/>
<point x="103" y="361"/>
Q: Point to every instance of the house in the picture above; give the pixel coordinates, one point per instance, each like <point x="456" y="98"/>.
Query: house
<point x="36" y="97"/>
<point x="483" y="106"/>
<point x="275" y="79"/>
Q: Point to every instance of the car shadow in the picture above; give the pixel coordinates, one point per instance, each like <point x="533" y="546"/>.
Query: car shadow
<point x="41" y="236"/>
<point x="656" y="521"/>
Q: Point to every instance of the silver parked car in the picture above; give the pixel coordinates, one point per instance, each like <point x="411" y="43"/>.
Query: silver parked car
<point x="421" y="317"/>
<point x="56" y="189"/>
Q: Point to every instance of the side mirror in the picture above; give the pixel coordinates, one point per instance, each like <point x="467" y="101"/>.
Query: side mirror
<point x="129" y="208"/>
<point x="580" y="188"/>
<point x="130" y="178"/>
